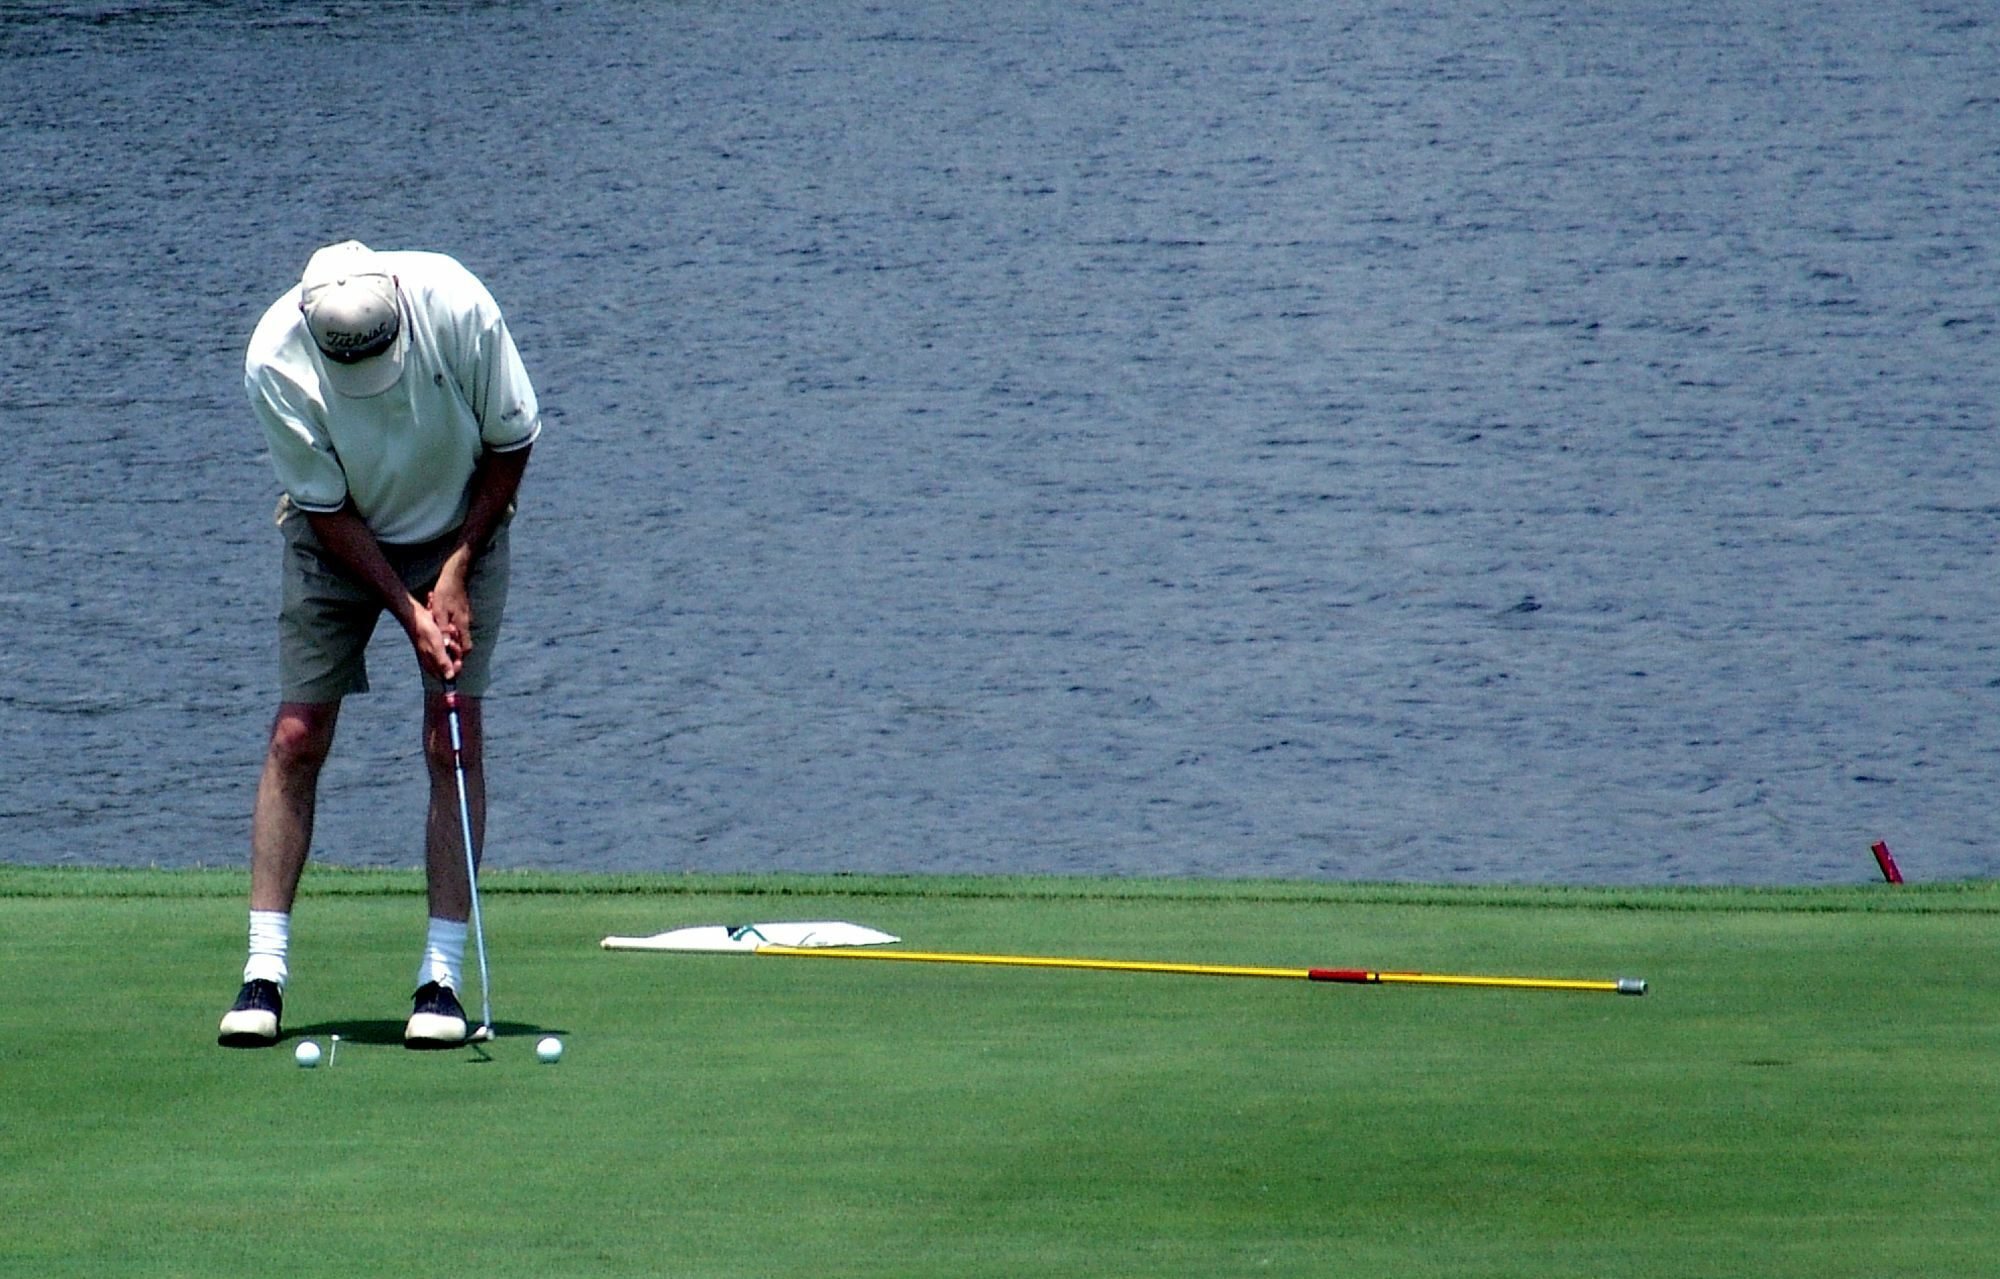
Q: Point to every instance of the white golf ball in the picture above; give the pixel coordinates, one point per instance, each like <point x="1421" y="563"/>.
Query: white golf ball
<point x="549" y="1050"/>
<point x="307" y="1054"/>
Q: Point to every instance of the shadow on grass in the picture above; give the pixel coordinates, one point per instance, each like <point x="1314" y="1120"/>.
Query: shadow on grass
<point x="384" y="1031"/>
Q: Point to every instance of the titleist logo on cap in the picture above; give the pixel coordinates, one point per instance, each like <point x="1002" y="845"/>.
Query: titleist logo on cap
<point x="354" y="314"/>
<point x="363" y="332"/>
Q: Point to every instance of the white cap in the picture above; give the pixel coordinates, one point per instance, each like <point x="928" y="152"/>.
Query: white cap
<point x="349" y="300"/>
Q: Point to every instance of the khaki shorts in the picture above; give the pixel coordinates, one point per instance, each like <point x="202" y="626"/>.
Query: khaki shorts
<point x="327" y="617"/>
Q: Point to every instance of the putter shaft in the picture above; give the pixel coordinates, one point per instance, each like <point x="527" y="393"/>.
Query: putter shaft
<point x="471" y="859"/>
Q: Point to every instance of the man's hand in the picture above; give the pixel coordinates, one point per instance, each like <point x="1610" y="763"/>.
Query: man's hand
<point x="437" y="651"/>
<point x="439" y="646"/>
<point x="450" y="603"/>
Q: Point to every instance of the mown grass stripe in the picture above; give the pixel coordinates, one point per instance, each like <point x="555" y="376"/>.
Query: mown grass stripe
<point x="1974" y="897"/>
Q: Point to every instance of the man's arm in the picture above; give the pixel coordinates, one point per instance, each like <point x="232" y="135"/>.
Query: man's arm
<point x="494" y="483"/>
<point x="346" y="536"/>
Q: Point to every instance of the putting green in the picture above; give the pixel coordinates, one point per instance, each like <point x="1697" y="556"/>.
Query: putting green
<point x="1806" y="1091"/>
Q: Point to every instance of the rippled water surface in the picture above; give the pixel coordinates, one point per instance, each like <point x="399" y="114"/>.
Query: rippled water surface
<point x="1437" y="440"/>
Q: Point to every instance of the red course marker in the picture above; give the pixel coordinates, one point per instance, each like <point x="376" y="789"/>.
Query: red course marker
<point x="1887" y="863"/>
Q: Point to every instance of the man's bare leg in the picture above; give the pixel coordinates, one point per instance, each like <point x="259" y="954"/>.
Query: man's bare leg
<point x="444" y="846"/>
<point x="280" y="841"/>
<point x="287" y="793"/>
<point x="437" y="1018"/>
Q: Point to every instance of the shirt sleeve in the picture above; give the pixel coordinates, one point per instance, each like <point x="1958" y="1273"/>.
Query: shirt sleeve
<point x="495" y="381"/>
<point x="301" y="453"/>
<point x="510" y="417"/>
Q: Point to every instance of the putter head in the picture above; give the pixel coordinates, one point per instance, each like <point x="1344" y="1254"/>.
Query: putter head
<point x="483" y="1035"/>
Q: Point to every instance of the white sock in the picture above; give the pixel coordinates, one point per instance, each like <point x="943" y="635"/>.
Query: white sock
<point x="444" y="953"/>
<point x="270" y="939"/>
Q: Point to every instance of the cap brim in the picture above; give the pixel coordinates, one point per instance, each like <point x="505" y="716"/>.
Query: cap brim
<point x="372" y="376"/>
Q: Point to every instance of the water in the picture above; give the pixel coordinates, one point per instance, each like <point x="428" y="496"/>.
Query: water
<point x="1444" y="441"/>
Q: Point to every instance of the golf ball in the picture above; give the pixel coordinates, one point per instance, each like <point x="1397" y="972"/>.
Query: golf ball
<point x="307" y="1054"/>
<point x="549" y="1050"/>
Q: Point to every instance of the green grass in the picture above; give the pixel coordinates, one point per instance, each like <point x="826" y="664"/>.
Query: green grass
<point x="1807" y="1091"/>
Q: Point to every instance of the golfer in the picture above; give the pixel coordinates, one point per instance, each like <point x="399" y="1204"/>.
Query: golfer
<point x="399" y="420"/>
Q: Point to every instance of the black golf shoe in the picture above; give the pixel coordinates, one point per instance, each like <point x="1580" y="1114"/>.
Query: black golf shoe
<point x="252" y="1022"/>
<point x="436" y="1020"/>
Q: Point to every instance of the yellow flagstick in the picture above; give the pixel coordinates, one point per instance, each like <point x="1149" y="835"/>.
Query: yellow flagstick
<point x="1621" y="986"/>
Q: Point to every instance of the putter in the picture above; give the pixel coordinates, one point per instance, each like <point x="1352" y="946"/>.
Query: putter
<point x="485" y="1031"/>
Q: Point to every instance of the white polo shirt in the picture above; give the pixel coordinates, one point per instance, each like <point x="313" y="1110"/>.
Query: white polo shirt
<point x="404" y="457"/>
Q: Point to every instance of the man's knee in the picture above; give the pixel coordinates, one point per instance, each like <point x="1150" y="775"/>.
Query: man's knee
<point x="437" y="738"/>
<point x="302" y="736"/>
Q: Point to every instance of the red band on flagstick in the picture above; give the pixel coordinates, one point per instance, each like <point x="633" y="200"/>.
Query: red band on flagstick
<point x="1887" y="862"/>
<point x="1340" y="974"/>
